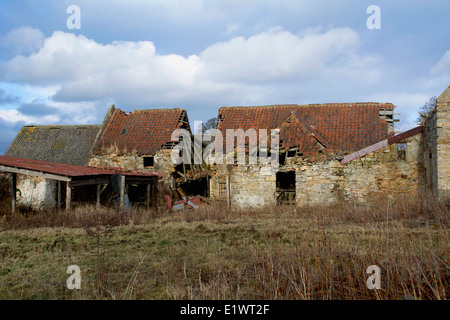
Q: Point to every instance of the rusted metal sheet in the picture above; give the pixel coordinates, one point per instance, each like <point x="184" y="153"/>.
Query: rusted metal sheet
<point x="405" y="135"/>
<point x="65" y="170"/>
<point x="377" y="146"/>
<point x="52" y="168"/>
<point x="363" y="152"/>
<point x="193" y="202"/>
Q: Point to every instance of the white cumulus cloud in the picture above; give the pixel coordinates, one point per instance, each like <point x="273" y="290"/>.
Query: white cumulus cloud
<point x="85" y="70"/>
<point x="23" y="40"/>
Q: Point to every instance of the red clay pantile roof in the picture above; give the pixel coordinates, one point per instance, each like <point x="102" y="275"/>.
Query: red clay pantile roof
<point x="143" y="132"/>
<point x="340" y="126"/>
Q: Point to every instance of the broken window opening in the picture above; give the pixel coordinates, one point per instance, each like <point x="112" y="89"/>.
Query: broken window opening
<point x="291" y="153"/>
<point x="282" y="157"/>
<point x="401" y="151"/>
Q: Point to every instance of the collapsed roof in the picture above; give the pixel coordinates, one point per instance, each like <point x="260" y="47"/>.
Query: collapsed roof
<point x="143" y="132"/>
<point x="341" y="127"/>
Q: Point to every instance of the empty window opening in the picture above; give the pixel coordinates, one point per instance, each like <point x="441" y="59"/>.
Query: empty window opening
<point x="149" y="162"/>
<point x="291" y="153"/>
<point x="282" y="157"/>
<point x="401" y="151"/>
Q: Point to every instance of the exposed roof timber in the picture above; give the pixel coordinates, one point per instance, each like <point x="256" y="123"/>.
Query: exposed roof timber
<point x="314" y="133"/>
<point x="86" y="182"/>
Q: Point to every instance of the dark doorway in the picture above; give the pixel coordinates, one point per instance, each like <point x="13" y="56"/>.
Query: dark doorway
<point x="285" y="187"/>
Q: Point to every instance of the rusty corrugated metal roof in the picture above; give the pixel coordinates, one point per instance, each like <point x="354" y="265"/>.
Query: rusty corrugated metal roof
<point x="382" y="144"/>
<point x="65" y="169"/>
<point x="404" y="135"/>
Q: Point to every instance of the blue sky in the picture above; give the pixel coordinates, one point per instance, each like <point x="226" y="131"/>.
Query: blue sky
<point x="204" y="54"/>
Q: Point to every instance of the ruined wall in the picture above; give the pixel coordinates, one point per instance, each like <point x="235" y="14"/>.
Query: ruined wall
<point x="250" y="186"/>
<point x="125" y="162"/>
<point x="377" y="175"/>
<point x="36" y="193"/>
<point x="436" y="152"/>
<point x="443" y="145"/>
<point x="368" y="179"/>
<point x="162" y="164"/>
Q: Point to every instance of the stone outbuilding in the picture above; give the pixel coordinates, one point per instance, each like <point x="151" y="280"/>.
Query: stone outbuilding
<point x="314" y="141"/>
<point x="142" y="141"/>
<point x="69" y="144"/>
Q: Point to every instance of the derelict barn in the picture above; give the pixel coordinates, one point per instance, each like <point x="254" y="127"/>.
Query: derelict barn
<point x="327" y="153"/>
<point x="334" y="152"/>
<point x="72" y="182"/>
<point x="68" y="145"/>
<point x="136" y="146"/>
<point x="142" y="141"/>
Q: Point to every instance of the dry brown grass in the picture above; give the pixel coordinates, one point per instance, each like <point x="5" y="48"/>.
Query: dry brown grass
<point x="320" y="252"/>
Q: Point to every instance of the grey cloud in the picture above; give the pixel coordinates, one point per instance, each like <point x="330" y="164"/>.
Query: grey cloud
<point x="8" y="130"/>
<point x="7" y="98"/>
<point x="36" y="109"/>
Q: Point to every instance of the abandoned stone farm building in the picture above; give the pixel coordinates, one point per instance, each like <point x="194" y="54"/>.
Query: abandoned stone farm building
<point x="335" y="152"/>
<point x="327" y="153"/>
<point x="142" y="141"/>
<point x="68" y="145"/>
<point x="136" y="145"/>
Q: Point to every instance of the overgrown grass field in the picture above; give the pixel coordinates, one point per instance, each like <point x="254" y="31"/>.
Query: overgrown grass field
<point x="213" y="253"/>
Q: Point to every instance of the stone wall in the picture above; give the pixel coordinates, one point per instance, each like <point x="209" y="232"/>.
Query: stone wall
<point x="436" y="152"/>
<point x="381" y="174"/>
<point x="36" y="193"/>
<point x="250" y="186"/>
<point x="125" y="162"/>
<point x="443" y="145"/>
<point x="162" y="164"/>
<point x="373" y="177"/>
